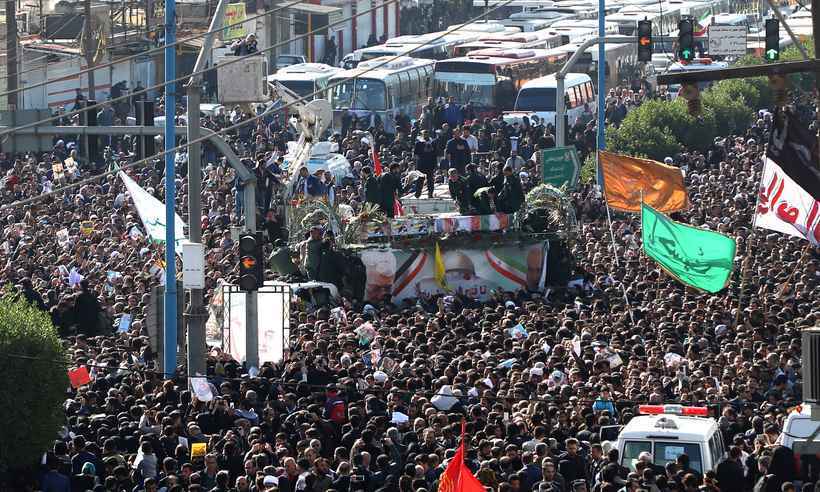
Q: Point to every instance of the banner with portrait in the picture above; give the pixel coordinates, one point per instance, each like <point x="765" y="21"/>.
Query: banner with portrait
<point x="407" y="274"/>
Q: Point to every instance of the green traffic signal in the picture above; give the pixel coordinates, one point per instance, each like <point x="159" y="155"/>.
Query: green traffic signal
<point x="772" y="55"/>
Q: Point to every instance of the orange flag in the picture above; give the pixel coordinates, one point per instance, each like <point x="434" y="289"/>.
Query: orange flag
<point x="626" y="178"/>
<point x="457" y="477"/>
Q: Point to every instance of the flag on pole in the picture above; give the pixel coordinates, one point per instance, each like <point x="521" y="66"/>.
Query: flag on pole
<point x="794" y="149"/>
<point x="783" y="206"/>
<point x="702" y="25"/>
<point x="627" y="179"/>
<point x="439" y="270"/>
<point x="377" y="163"/>
<point x="398" y="210"/>
<point x="696" y="257"/>
<point x="457" y="477"/>
<point x="152" y="214"/>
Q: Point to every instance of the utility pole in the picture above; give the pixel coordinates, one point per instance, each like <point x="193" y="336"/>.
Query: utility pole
<point x="89" y="49"/>
<point x="196" y="313"/>
<point x="170" y="311"/>
<point x="11" y="53"/>
<point x="149" y="16"/>
<point x="815" y="29"/>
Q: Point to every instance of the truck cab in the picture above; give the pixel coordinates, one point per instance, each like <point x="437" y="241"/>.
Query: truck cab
<point x="668" y="431"/>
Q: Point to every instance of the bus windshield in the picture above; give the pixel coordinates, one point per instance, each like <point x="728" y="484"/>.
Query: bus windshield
<point x="302" y="88"/>
<point x="536" y="99"/>
<point x="463" y="92"/>
<point x="362" y="94"/>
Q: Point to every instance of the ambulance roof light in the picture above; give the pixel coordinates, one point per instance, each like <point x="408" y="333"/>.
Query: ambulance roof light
<point x="673" y="410"/>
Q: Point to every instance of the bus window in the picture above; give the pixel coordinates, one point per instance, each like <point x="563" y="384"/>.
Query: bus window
<point x="367" y="94"/>
<point x="505" y="94"/>
<point x="633" y="449"/>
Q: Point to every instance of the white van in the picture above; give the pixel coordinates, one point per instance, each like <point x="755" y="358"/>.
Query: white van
<point x="798" y="431"/>
<point x="537" y="98"/>
<point x="668" y="431"/>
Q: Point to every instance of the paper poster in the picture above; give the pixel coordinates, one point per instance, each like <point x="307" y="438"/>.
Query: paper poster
<point x="198" y="449"/>
<point x="70" y="166"/>
<point x="201" y="388"/>
<point x="671" y="453"/>
<point x="125" y="323"/>
<point x="86" y="227"/>
<point x="58" y="170"/>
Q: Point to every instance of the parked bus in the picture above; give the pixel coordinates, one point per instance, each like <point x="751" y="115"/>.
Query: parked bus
<point x="538" y="98"/>
<point x="664" y="18"/>
<point x="543" y="39"/>
<point x="306" y="79"/>
<point x="621" y="61"/>
<point x="490" y="79"/>
<point x="430" y="46"/>
<point x="380" y="89"/>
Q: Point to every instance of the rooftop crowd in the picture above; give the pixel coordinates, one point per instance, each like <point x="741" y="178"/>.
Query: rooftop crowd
<point x="323" y="420"/>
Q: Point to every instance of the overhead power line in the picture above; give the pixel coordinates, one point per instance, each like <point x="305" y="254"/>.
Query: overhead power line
<point x="142" y="54"/>
<point x="227" y="61"/>
<point x="243" y="123"/>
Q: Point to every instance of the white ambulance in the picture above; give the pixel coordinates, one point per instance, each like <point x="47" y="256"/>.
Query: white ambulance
<point x="668" y="431"/>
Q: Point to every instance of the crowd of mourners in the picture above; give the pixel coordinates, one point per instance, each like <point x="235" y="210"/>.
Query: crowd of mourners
<point x="342" y="416"/>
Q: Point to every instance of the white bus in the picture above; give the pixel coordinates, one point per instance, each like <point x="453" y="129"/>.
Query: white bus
<point x="430" y="46"/>
<point x="308" y="80"/>
<point x="380" y="89"/>
<point x="538" y="98"/>
<point x="541" y="39"/>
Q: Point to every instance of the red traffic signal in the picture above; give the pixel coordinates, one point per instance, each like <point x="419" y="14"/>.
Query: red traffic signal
<point x="644" y="41"/>
<point x="250" y="262"/>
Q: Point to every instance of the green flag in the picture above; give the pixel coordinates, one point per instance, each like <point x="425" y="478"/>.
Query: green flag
<point x="699" y="258"/>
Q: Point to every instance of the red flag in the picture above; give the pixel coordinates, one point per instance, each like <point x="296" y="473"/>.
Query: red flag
<point x="398" y="210"/>
<point x="457" y="477"/>
<point x="79" y="377"/>
<point x="377" y="163"/>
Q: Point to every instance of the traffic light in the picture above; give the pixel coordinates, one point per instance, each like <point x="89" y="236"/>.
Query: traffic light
<point x="772" y="52"/>
<point x="251" y="264"/>
<point x="686" y="40"/>
<point x="644" y="41"/>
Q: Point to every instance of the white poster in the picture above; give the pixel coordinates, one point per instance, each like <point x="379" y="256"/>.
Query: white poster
<point x="273" y="325"/>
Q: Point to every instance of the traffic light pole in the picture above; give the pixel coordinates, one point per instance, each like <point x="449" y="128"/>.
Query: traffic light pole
<point x="779" y="15"/>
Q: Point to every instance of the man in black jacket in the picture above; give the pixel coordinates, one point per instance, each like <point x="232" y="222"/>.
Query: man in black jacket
<point x="372" y="189"/>
<point x="730" y="472"/>
<point x="475" y="181"/>
<point x="511" y="193"/>
<point x="391" y="189"/>
<point x="459" y="190"/>
<point x="426" y="161"/>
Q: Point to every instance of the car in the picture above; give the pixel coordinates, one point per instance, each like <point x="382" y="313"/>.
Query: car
<point x="286" y="60"/>
<point x="667" y="431"/>
<point x="799" y="431"/>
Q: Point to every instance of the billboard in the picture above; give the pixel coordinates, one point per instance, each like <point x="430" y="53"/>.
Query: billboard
<point x="406" y="274"/>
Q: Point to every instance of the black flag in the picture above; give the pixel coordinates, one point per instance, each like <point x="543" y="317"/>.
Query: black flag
<point x="794" y="149"/>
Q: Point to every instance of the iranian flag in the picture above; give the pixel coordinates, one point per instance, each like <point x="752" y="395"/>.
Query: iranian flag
<point x="702" y="26"/>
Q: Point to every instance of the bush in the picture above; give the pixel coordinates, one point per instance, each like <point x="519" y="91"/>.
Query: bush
<point x="35" y="378"/>
<point x="588" y="169"/>
<point x="732" y="115"/>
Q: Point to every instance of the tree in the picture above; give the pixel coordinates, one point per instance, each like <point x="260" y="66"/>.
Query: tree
<point x="35" y="378"/>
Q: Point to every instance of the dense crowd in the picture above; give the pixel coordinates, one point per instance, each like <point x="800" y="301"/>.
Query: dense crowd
<point x="341" y="415"/>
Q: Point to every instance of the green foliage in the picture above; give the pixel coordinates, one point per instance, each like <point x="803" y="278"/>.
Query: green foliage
<point x="588" y="169"/>
<point x="32" y="362"/>
<point x="732" y="114"/>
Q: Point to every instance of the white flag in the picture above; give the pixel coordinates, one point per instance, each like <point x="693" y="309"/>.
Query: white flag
<point x="783" y="206"/>
<point x="152" y="214"/>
